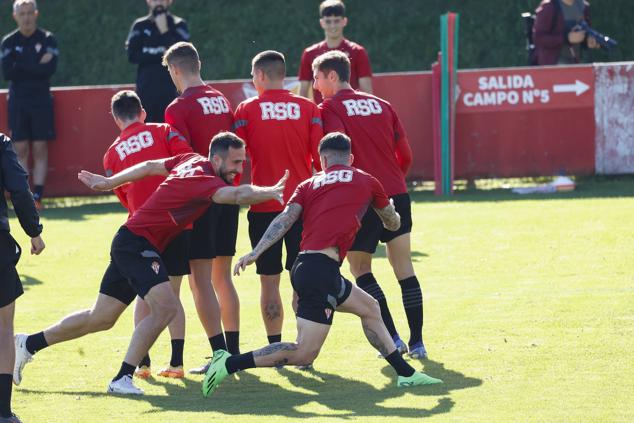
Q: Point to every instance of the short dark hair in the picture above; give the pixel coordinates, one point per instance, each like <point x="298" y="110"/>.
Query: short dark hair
<point x="184" y="56"/>
<point x="334" y="60"/>
<point x="332" y="8"/>
<point x="272" y="63"/>
<point x="126" y="105"/>
<point x="222" y="142"/>
<point x="336" y="142"/>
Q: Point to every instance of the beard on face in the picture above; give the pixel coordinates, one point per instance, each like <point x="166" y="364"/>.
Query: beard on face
<point x="228" y="177"/>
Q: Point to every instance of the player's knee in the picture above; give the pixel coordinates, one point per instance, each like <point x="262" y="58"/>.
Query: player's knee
<point x="167" y="311"/>
<point x="101" y="323"/>
<point x="306" y="357"/>
<point x="373" y="308"/>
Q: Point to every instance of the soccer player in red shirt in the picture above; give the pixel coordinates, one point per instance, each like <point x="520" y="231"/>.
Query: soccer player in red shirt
<point x="137" y="143"/>
<point x="200" y="113"/>
<point x="282" y="131"/>
<point x="331" y="203"/>
<point x="380" y="146"/>
<point x="332" y="18"/>
<point x="193" y="184"/>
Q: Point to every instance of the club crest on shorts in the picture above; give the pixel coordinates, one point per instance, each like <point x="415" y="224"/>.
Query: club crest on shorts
<point x="156" y="267"/>
<point x="328" y="313"/>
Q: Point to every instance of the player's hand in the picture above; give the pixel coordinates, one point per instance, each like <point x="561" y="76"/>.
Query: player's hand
<point x="46" y="58"/>
<point x="243" y="262"/>
<point x="37" y="245"/>
<point x="576" y="37"/>
<point x="94" y="181"/>
<point x="592" y="43"/>
<point x="278" y="189"/>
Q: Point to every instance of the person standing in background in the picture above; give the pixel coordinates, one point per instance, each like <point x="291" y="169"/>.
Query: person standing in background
<point x="332" y="18"/>
<point x="148" y="40"/>
<point x="556" y="32"/>
<point x="29" y="59"/>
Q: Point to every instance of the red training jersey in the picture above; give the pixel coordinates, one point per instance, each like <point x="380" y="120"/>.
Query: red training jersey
<point x="199" y="114"/>
<point x="182" y="198"/>
<point x="379" y="142"/>
<point x="282" y="131"/>
<point x="333" y="204"/>
<point x="359" y="63"/>
<point x="137" y="143"/>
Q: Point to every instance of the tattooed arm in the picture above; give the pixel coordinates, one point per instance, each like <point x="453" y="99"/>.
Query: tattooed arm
<point x="276" y="230"/>
<point x="390" y="218"/>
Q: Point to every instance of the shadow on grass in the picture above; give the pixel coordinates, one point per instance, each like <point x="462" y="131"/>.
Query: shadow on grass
<point x="249" y="393"/>
<point x="381" y="252"/>
<point x="29" y="281"/>
<point x="587" y="187"/>
<point x="81" y="212"/>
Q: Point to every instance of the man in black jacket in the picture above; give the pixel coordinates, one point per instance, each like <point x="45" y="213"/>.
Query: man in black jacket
<point x="149" y="38"/>
<point x="29" y="59"/>
<point x="14" y="179"/>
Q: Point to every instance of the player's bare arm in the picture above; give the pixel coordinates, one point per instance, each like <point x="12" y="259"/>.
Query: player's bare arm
<point x="365" y="84"/>
<point x="304" y="87"/>
<point x="276" y="230"/>
<point x="251" y="194"/>
<point x="136" y="172"/>
<point x="390" y="218"/>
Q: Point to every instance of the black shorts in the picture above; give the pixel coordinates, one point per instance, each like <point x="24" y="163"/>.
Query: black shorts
<point x="372" y="230"/>
<point x="135" y="267"/>
<point x="31" y="120"/>
<point x="10" y="285"/>
<point x="176" y="255"/>
<point x="270" y="262"/>
<point x="215" y="232"/>
<point x="320" y="287"/>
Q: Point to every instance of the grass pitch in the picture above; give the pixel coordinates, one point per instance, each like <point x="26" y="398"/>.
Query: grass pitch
<point x="529" y="316"/>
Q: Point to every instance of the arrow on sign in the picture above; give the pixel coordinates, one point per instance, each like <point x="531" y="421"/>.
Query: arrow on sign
<point x="578" y="87"/>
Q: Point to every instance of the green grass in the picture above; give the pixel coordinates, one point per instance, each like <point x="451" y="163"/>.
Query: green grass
<point x="529" y="316"/>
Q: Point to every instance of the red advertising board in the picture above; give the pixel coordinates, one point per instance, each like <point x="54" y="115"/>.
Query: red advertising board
<point x="522" y="89"/>
<point x="525" y="122"/>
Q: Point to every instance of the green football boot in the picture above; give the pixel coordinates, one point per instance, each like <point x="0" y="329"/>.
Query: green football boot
<point x="416" y="379"/>
<point x="216" y="373"/>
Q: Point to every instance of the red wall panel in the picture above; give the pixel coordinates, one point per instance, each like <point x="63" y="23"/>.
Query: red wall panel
<point x="499" y="140"/>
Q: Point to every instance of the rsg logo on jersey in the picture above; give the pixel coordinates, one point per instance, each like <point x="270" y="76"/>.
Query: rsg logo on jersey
<point x="280" y="111"/>
<point x="213" y="105"/>
<point x="362" y="107"/>
<point x="134" y="144"/>
<point x="333" y="177"/>
<point x="187" y="170"/>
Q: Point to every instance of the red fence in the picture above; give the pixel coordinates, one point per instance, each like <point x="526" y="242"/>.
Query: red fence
<point x="510" y="122"/>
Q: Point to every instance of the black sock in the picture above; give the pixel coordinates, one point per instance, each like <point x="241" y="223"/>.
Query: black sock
<point x="400" y="365"/>
<point x="239" y="362"/>
<point x="274" y="338"/>
<point x="217" y="342"/>
<point x="5" y="395"/>
<point x="38" y="192"/>
<point x="413" y="303"/>
<point x="233" y="342"/>
<point x="145" y="361"/>
<point x="371" y="286"/>
<point x="126" y="369"/>
<point x="36" y="342"/>
<point x="177" y="352"/>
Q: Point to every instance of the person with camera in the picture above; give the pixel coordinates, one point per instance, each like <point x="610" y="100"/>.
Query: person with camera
<point x="557" y="32"/>
<point x="149" y="39"/>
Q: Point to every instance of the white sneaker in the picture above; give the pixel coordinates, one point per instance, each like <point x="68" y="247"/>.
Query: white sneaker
<point x="22" y="357"/>
<point x="124" y="386"/>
